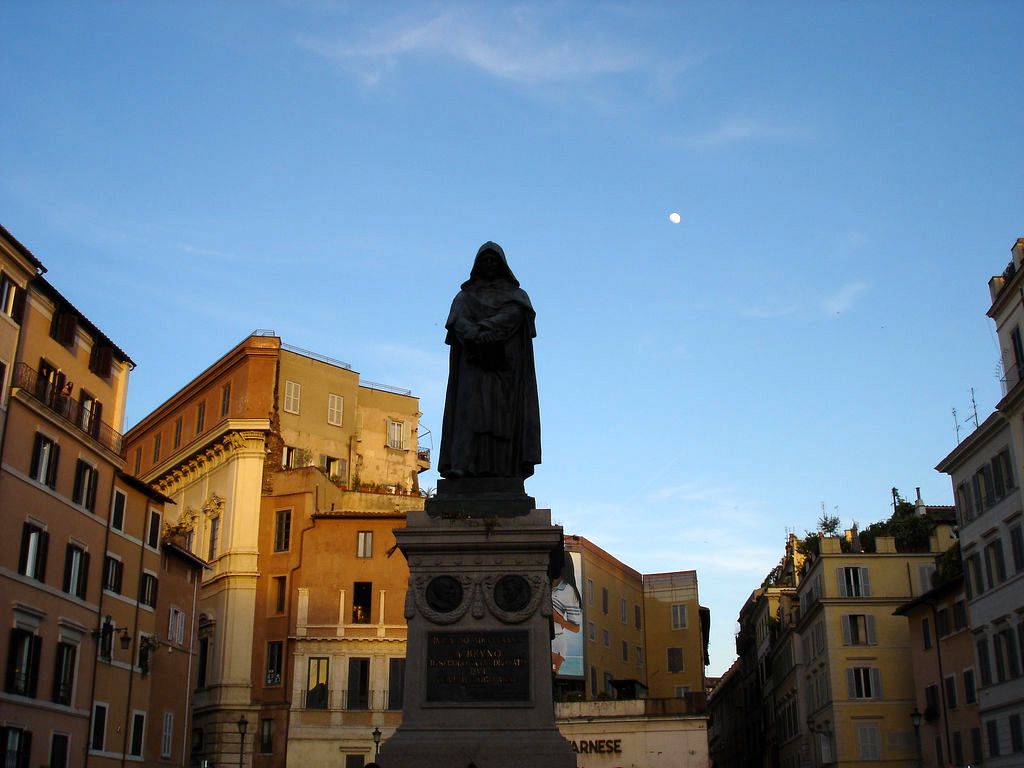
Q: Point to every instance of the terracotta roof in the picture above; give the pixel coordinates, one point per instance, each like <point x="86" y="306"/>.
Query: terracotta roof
<point x="22" y="249"/>
<point x="47" y="287"/>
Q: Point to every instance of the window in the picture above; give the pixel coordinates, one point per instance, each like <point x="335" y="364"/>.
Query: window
<point x="200" y="416"/>
<point x="396" y="431"/>
<point x="138" y="732"/>
<point x="211" y="550"/>
<point x="225" y="399"/>
<point x="965" y="502"/>
<point x="951" y="701"/>
<point x="64" y="673"/>
<point x="958" y="748"/>
<point x="147" y="589"/>
<point x="280" y="593"/>
<point x="1007" y="658"/>
<point x="992" y="729"/>
<point x="1017" y="548"/>
<point x="23" y="663"/>
<point x="926" y="633"/>
<point x="976" y="745"/>
<point x="167" y="735"/>
<point x="334" y="468"/>
<point x="604" y="600"/>
<point x="32" y="558"/>
<point x="153" y="536"/>
<point x="101" y="360"/>
<point x="864" y="683"/>
<point x="177" y="433"/>
<point x="995" y="566"/>
<point x="639" y="656"/>
<point x="959" y="615"/>
<point x="90" y="411"/>
<point x="675" y="659"/>
<point x="355" y="761"/>
<point x="117" y="510"/>
<point x="316" y="683"/>
<point x="64" y="327"/>
<point x="203" y="662"/>
<point x="266" y="746"/>
<point x="98" y="737"/>
<point x="590" y="591"/>
<point x="113" y="573"/>
<point x="853" y="582"/>
<point x="396" y="683"/>
<point x="176" y="626"/>
<point x="591" y="631"/>
<point x="931" y="700"/>
<point x="609" y="689"/>
<point x="358" y="683"/>
<point x="970" y="691"/>
<point x="1002" y="471"/>
<point x="942" y="622"/>
<point x="45" y="455"/>
<point x="1016" y="736"/>
<point x="605" y="637"/>
<point x="84" y="493"/>
<point x="292" y="392"/>
<point x="59" y="750"/>
<point x="156" y="447"/>
<point x="76" y="571"/>
<point x="858" y="629"/>
<point x="17" y="746"/>
<point x="289" y="457"/>
<point x="983" y="661"/>
<point x="282" y="530"/>
<point x="12" y="298"/>
<point x="939" y="757"/>
<point x="636" y="616"/>
<point x="275" y="660"/>
<point x="679" y="616"/>
<point x="361" y="602"/>
<point x="625" y="651"/>
<point x="364" y="544"/>
<point x="335" y="408"/>
<point x="623" y="611"/>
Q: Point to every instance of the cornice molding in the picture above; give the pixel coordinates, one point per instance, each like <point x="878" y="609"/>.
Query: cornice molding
<point x="231" y="445"/>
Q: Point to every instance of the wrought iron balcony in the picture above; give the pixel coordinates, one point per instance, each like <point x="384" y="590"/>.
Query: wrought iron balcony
<point x="64" y="405"/>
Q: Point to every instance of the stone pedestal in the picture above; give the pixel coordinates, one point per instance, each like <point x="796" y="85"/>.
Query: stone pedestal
<point x="478" y="665"/>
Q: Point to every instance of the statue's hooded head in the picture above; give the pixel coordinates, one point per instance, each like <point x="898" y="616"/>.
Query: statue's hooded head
<point x="490" y="266"/>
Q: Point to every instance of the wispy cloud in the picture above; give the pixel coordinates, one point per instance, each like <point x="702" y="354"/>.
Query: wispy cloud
<point x="843" y="299"/>
<point x="735" y="130"/>
<point x="513" y="45"/>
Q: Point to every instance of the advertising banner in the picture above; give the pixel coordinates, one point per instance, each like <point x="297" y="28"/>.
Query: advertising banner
<point x="567" y="612"/>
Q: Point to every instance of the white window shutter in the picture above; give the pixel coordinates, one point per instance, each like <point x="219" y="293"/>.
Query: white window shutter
<point x="841" y="582"/>
<point x="876" y="683"/>
<point x="844" y="620"/>
<point x="870" y="620"/>
<point x="406" y="435"/>
<point x="865" y="585"/>
<point x="851" y="684"/>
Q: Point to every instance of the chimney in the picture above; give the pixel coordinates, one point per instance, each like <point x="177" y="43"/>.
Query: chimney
<point x="919" y="504"/>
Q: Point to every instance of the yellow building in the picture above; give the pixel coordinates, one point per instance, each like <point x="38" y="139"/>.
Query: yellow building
<point x="288" y="473"/>
<point x="82" y="567"/>
<point x="676" y="634"/>
<point x="858" y="687"/>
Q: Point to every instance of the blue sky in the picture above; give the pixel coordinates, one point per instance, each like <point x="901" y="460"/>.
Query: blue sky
<point x="848" y="177"/>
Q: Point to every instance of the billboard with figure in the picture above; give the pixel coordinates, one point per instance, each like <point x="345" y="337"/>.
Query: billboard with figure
<point x="567" y="612"/>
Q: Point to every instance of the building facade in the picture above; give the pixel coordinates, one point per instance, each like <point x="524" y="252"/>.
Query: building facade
<point x="84" y="566"/>
<point x="985" y="470"/>
<point x="288" y="473"/>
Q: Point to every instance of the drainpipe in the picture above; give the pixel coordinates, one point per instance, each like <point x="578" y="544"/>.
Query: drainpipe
<point x="135" y="635"/>
<point x="942" y="679"/>
<point x="189" y="694"/>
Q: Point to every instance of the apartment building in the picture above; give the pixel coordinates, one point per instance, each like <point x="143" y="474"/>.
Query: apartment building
<point x="942" y="652"/>
<point x="985" y="470"/>
<point x="289" y="474"/>
<point x="82" y="568"/>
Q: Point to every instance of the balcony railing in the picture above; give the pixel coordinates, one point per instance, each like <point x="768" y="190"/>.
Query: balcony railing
<point x="70" y="410"/>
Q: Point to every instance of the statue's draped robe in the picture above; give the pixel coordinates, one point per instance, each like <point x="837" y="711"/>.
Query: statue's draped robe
<point x="491" y="413"/>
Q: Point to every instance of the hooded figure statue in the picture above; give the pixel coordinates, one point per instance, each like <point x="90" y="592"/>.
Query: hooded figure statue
<point x="491" y="422"/>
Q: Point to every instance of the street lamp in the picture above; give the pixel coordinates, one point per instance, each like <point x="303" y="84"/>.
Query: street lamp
<point x="915" y="718"/>
<point x="376" y="743"/>
<point x="243" y="725"/>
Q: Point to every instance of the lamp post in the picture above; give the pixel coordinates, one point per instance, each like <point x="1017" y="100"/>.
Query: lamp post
<point x="915" y="718"/>
<point x="376" y="743"/>
<point x="243" y="725"/>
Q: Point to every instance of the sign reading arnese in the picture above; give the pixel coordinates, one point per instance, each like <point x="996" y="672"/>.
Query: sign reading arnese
<point x="478" y="666"/>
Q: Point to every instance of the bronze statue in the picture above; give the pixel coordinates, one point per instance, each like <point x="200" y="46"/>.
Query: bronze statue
<point x="491" y="422"/>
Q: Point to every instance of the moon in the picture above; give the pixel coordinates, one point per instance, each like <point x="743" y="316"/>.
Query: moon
<point x="674" y="217"/>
